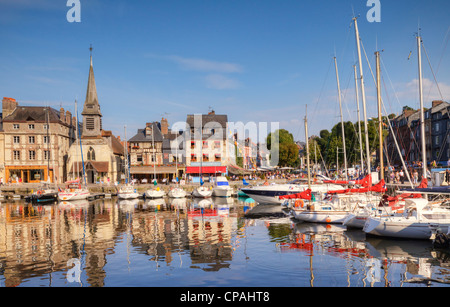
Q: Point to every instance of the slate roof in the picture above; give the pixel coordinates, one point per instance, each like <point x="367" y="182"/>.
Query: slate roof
<point x="142" y="137"/>
<point x="34" y="114"/>
<point x="207" y="118"/>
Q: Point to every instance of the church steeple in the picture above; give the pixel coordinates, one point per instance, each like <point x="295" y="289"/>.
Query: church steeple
<point x="92" y="117"/>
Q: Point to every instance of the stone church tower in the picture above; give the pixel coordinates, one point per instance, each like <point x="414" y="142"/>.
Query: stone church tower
<point x="92" y="117"/>
<point x="102" y="152"/>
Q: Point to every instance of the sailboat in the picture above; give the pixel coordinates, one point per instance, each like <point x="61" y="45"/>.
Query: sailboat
<point x="177" y="191"/>
<point x="127" y="190"/>
<point x="421" y="219"/>
<point x="74" y="190"/>
<point x="157" y="192"/>
<point x="202" y="191"/>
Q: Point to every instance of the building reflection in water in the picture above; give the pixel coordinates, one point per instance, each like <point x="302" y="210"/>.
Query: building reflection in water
<point x="40" y="240"/>
<point x="37" y="244"/>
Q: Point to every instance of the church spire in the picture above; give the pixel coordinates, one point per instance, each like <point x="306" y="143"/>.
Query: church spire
<point x="91" y="110"/>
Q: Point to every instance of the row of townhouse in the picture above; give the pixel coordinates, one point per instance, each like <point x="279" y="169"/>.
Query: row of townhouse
<point x="44" y="144"/>
<point x="408" y="134"/>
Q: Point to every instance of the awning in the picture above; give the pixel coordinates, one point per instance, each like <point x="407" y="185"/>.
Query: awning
<point x="147" y="169"/>
<point x="206" y="169"/>
<point x="236" y="170"/>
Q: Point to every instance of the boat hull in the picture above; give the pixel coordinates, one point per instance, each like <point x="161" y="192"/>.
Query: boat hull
<point x="402" y="229"/>
<point x="155" y="194"/>
<point x="77" y="195"/>
<point x="220" y="192"/>
<point x="325" y="216"/>
<point x="202" y="192"/>
<point x="177" y="193"/>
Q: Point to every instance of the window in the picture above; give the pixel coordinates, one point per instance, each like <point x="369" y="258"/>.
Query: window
<point x="46" y="154"/>
<point x="16" y="139"/>
<point x="32" y="155"/>
<point x="139" y="158"/>
<point x="31" y="126"/>
<point x="90" y="123"/>
<point x="16" y="155"/>
<point x="205" y="157"/>
<point x="192" y="144"/>
<point x="217" y="158"/>
<point x="45" y="126"/>
<point x="205" y="144"/>
<point x="31" y="139"/>
<point x="46" y="139"/>
<point x="216" y="144"/>
<point x="436" y="140"/>
<point x="16" y="126"/>
<point x="193" y="158"/>
<point x="91" y="154"/>
<point x="437" y="127"/>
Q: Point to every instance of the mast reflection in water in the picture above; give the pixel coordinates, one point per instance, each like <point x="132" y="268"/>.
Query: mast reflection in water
<point x="212" y="242"/>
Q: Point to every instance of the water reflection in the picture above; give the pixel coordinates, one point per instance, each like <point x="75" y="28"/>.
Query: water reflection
<point x="167" y="241"/>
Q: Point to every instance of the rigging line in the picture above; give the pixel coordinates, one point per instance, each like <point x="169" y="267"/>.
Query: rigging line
<point x="434" y="76"/>
<point x="395" y="93"/>
<point x="390" y="126"/>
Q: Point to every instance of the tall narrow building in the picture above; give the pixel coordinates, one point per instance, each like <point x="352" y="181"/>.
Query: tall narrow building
<point x="92" y="117"/>
<point x="99" y="150"/>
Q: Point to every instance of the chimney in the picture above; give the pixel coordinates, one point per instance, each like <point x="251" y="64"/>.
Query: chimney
<point x="164" y="126"/>
<point x="61" y="115"/>
<point x="68" y="118"/>
<point x="8" y="106"/>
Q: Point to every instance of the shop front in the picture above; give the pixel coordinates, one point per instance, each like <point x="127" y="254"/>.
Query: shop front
<point x="27" y="174"/>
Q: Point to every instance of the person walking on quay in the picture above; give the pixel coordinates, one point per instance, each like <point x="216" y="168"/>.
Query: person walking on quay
<point x="415" y="176"/>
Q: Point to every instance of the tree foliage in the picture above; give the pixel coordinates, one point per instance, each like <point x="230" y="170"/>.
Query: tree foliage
<point x="283" y="141"/>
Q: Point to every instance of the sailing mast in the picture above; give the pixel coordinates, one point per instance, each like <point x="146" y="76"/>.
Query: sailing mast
<point x="380" y="123"/>
<point x="359" y="118"/>
<point x="363" y="95"/>
<point x="154" y="153"/>
<point x="422" y="117"/>
<point x="342" y="119"/>
<point x="307" y="147"/>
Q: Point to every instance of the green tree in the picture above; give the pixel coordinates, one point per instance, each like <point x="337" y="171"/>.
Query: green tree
<point x="283" y="142"/>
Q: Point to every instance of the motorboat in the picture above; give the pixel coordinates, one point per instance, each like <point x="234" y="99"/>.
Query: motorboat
<point x="45" y="194"/>
<point x="127" y="191"/>
<point x="420" y="220"/>
<point x="177" y="192"/>
<point x="202" y="192"/>
<point x="155" y="193"/>
<point x="74" y="191"/>
<point x="270" y="193"/>
<point x="222" y="187"/>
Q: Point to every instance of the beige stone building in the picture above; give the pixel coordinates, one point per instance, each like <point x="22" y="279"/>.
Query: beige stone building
<point x="35" y="142"/>
<point x="101" y="152"/>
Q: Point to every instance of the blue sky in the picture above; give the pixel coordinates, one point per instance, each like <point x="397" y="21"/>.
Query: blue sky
<point x="256" y="61"/>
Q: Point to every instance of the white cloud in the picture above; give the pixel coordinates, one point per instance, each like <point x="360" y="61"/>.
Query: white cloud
<point x="410" y="91"/>
<point x="220" y="82"/>
<point x="197" y="64"/>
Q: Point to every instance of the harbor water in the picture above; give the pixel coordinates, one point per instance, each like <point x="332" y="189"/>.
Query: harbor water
<point x="200" y="243"/>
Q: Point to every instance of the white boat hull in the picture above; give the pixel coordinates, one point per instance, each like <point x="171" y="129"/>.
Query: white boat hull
<point x="330" y="217"/>
<point x="75" y="195"/>
<point x="155" y="194"/>
<point x="127" y="195"/>
<point x="221" y="192"/>
<point x="402" y="229"/>
<point x="177" y="193"/>
<point x="202" y="192"/>
<point x="355" y="221"/>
